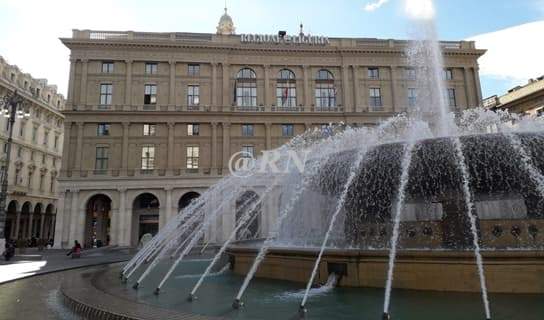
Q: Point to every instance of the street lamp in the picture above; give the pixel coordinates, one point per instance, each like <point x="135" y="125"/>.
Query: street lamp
<point x="11" y="106"/>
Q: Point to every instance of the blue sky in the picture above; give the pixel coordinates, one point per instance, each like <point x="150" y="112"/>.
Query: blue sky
<point x="31" y="28"/>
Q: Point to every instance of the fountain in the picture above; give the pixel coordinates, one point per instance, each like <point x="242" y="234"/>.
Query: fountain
<point x="421" y="202"/>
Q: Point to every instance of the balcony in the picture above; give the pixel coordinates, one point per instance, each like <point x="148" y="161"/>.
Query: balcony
<point x="247" y="108"/>
<point x="288" y="109"/>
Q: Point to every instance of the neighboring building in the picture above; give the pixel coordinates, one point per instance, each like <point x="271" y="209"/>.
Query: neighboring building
<point x="527" y="99"/>
<point x="36" y="154"/>
<point x="153" y="118"/>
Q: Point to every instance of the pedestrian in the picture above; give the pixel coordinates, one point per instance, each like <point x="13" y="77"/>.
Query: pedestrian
<point x="76" y="250"/>
<point x="9" y="251"/>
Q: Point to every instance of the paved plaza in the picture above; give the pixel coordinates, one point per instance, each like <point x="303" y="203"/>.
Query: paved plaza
<point x="37" y="296"/>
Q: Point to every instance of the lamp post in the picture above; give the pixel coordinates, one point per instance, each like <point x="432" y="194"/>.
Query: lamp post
<point x="11" y="106"/>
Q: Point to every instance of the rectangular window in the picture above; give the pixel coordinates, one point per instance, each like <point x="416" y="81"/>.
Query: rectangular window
<point x="7" y="124"/>
<point x="48" y="98"/>
<point x="193" y="69"/>
<point x="150" y="94"/>
<point x="106" y="90"/>
<point x="17" y="176"/>
<point x="410" y="73"/>
<point x="373" y="73"/>
<point x="375" y="97"/>
<point x="102" y="155"/>
<point x="411" y="97"/>
<point x="248" y="152"/>
<point x="52" y="184"/>
<point x="43" y="158"/>
<point x="287" y="130"/>
<point x="246" y="93"/>
<point x="325" y="96"/>
<point x="22" y="129"/>
<point x="451" y="97"/>
<point x="45" y="138"/>
<point x="247" y="130"/>
<point x="148" y="157"/>
<point x="107" y="67"/>
<point x="193" y="129"/>
<point x="19" y="152"/>
<point x="103" y="129"/>
<point x="56" y="142"/>
<point x="193" y="95"/>
<point x="34" y="134"/>
<point x="32" y="155"/>
<point x="149" y="129"/>
<point x="29" y="181"/>
<point x="448" y="74"/>
<point x="193" y="155"/>
<point x="151" y="68"/>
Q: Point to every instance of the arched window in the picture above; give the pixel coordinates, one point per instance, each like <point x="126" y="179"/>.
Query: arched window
<point x="286" y="91"/>
<point x="325" y="92"/>
<point x="246" y="88"/>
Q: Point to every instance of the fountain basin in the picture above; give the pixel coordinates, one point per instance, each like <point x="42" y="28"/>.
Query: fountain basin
<point x="504" y="193"/>
<point x="512" y="271"/>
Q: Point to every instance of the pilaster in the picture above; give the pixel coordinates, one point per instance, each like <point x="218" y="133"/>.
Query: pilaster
<point x="128" y="83"/>
<point x="83" y="89"/>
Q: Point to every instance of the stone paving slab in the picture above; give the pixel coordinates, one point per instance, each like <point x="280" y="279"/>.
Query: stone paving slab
<point x="85" y="298"/>
<point x="52" y="260"/>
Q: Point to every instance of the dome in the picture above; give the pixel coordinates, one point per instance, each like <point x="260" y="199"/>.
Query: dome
<point x="225" y="26"/>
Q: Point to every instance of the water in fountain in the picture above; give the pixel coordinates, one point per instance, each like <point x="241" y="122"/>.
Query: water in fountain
<point x="355" y="177"/>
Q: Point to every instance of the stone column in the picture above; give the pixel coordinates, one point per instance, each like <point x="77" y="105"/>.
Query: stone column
<point x="214" y="148"/>
<point x="172" y="91"/>
<point x="394" y="98"/>
<point x="345" y="88"/>
<point x="116" y="225"/>
<point x="124" y="231"/>
<point x="17" y="225"/>
<point x="83" y="89"/>
<point x="52" y="224"/>
<point x="356" y="92"/>
<point x="42" y="224"/>
<point x="307" y="93"/>
<point x="476" y="74"/>
<point x="29" y="226"/>
<point x="124" y="156"/>
<point x="266" y="87"/>
<point x="226" y="144"/>
<point x="469" y="93"/>
<point x="66" y="145"/>
<point x="364" y="97"/>
<point x="170" y="159"/>
<point x="73" y="221"/>
<point x="226" y="86"/>
<point x="213" y="99"/>
<point x="70" y="98"/>
<point x="79" y="147"/>
<point x="62" y="224"/>
<point x="268" y="129"/>
<point x="168" y="203"/>
<point x="128" y="83"/>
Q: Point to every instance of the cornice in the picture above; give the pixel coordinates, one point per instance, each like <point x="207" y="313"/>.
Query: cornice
<point x="258" y="49"/>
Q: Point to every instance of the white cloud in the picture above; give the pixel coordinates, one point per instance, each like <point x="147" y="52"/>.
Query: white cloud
<point x="375" y="5"/>
<point x="513" y="54"/>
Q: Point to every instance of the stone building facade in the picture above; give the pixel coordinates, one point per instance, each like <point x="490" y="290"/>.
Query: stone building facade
<point x="152" y="119"/>
<point x="527" y="99"/>
<point x="36" y="153"/>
